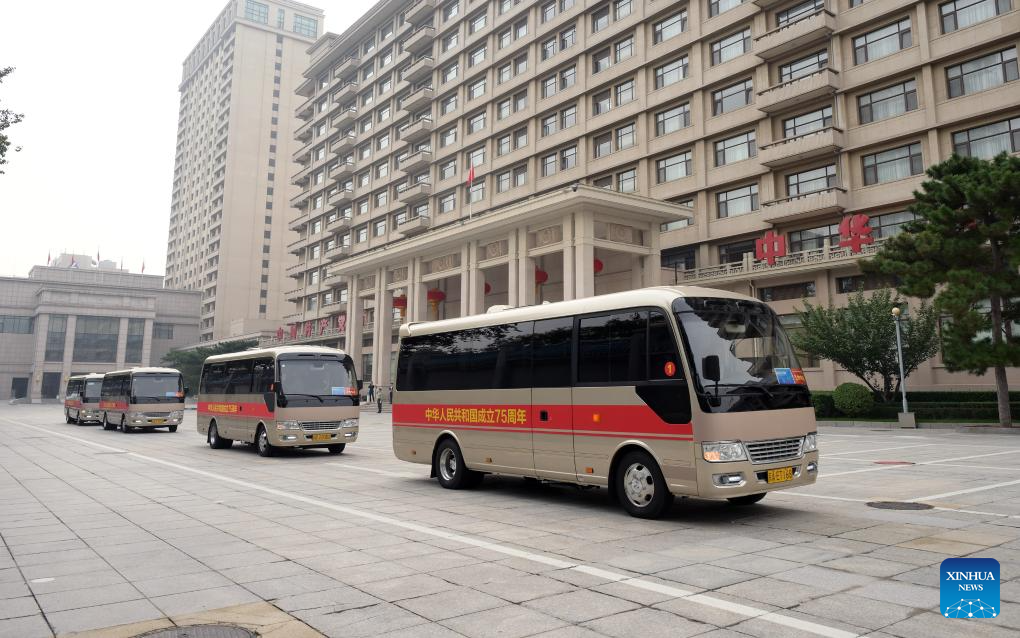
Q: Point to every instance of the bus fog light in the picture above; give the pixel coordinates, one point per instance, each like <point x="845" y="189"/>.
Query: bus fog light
<point x="723" y="451"/>
<point x="289" y="437"/>
<point x="288" y="425"/>
<point x="728" y="480"/>
<point x="812" y="467"/>
<point x="810" y="442"/>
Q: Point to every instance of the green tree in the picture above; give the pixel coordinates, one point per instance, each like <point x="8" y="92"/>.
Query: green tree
<point x="861" y="338"/>
<point x="7" y="119"/>
<point x="189" y="362"/>
<point x="964" y="249"/>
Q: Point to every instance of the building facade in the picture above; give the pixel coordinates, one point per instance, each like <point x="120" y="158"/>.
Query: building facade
<point x="63" y="321"/>
<point x="774" y="124"/>
<point x="231" y="186"/>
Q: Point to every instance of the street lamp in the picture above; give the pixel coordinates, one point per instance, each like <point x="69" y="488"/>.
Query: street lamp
<point x="899" y="355"/>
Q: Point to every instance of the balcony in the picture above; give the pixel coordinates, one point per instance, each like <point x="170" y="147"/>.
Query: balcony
<point x="302" y="176"/>
<point x="417" y="131"/>
<point x="415" y="193"/>
<point x="419" y="10"/>
<point x="342" y="196"/>
<point x="298" y="270"/>
<point x="420" y="70"/>
<point x="341" y="224"/>
<point x="826" y="142"/>
<point x="299" y="198"/>
<point x="816" y="27"/>
<point x="344" y="66"/>
<point x="300" y="221"/>
<point x="297" y="247"/>
<point x="347" y="91"/>
<point x="338" y="252"/>
<point x="343" y="145"/>
<point x="418" y="101"/>
<point x="303" y="156"/>
<point x="304" y="132"/>
<point x="306" y="109"/>
<point x="783" y="96"/>
<point x="420" y="40"/>
<point x="414" y="226"/>
<point x="416" y="161"/>
<point x="344" y="119"/>
<point x="294" y="295"/>
<point x="830" y="201"/>
<point x="342" y="172"/>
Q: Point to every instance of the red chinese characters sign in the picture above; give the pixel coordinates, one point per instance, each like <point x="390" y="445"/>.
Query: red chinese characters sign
<point x="855" y="233"/>
<point x="769" y="247"/>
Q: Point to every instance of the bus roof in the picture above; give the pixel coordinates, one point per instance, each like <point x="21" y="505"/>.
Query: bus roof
<point x="662" y="296"/>
<point x="90" y="375"/>
<point x="272" y="352"/>
<point x="145" y="370"/>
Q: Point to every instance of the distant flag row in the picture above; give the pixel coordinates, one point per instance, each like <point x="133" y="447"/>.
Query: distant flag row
<point x="74" y="261"/>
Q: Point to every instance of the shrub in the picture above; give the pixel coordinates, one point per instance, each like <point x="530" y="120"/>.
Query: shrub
<point x="853" y="399"/>
<point x="824" y="407"/>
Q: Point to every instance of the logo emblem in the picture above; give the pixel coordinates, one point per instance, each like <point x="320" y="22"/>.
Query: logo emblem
<point x="969" y="588"/>
<point x="669" y="368"/>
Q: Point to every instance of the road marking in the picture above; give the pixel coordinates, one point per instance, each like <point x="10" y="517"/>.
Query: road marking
<point x="831" y="498"/>
<point x="935" y="497"/>
<point x="702" y="599"/>
<point x="880" y="449"/>
<point x="933" y="462"/>
<point x="362" y="468"/>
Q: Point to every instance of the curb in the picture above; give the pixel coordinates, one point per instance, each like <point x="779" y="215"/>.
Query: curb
<point x="974" y="428"/>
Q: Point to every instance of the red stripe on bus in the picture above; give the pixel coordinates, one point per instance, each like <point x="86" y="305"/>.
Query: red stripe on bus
<point x="113" y="405"/>
<point x="489" y="428"/>
<point x="72" y="404"/>
<point x="233" y="408"/>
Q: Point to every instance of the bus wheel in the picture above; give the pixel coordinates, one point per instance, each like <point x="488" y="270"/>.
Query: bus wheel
<point x="262" y="442"/>
<point x="67" y="416"/>
<point x="172" y="428"/>
<point x="750" y="499"/>
<point x="124" y="426"/>
<point x="451" y="471"/>
<point x="641" y="488"/>
<point x="337" y="449"/>
<point x="106" y="422"/>
<point x="215" y="442"/>
<point x="77" y="418"/>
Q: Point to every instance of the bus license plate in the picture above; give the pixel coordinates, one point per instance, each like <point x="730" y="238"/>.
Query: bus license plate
<point x="157" y="421"/>
<point x="321" y="437"/>
<point x="780" y="475"/>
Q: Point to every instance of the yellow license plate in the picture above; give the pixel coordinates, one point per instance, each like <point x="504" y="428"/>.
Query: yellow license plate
<point x="321" y="437"/>
<point x="157" y="421"/>
<point x="780" y="475"/>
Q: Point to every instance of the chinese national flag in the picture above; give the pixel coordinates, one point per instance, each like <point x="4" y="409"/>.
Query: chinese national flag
<point x="471" y="176"/>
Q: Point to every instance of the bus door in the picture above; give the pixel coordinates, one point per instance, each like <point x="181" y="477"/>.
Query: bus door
<point x="241" y="420"/>
<point x="552" y="420"/>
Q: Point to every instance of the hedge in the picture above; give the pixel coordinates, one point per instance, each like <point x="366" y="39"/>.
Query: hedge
<point x="853" y="399"/>
<point x="942" y="406"/>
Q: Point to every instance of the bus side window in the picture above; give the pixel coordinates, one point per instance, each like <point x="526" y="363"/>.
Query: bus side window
<point x="238" y="377"/>
<point x="512" y="367"/>
<point x="264" y="375"/>
<point x="216" y="381"/>
<point x="662" y="349"/>
<point x="550" y="352"/>
<point x="611" y="348"/>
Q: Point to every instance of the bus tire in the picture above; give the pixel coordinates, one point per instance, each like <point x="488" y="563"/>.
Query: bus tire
<point x="67" y="416"/>
<point x="749" y="499"/>
<point x="640" y="486"/>
<point x="77" y="418"/>
<point x="262" y="444"/>
<point x="106" y="422"/>
<point x="214" y="439"/>
<point x="452" y="472"/>
<point x="124" y="427"/>
<point x="172" y="428"/>
<point x="336" y="449"/>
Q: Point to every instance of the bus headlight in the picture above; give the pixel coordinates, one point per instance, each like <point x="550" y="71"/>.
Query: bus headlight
<point x="288" y="425"/>
<point x="135" y="416"/>
<point x="177" y="414"/>
<point x="723" y="451"/>
<point x="349" y="423"/>
<point x="810" y="442"/>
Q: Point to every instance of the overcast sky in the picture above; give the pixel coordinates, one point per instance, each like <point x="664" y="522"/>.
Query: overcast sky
<point x="97" y="82"/>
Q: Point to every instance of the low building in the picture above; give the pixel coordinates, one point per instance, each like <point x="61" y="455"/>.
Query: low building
<point x="63" y="321"/>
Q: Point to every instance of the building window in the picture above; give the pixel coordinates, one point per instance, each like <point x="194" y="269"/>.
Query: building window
<point x="135" y="338"/>
<point x="380" y="228"/>
<point x="448" y="169"/>
<point x="549" y="125"/>
<point x="678" y="257"/>
<point x="547" y="12"/>
<point x="623" y="49"/>
<point x="256" y="11"/>
<point x="734" y="253"/>
<point x="807" y="122"/>
<point x="667" y="28"/>
<point x="855" y="283"/>
<point x="477" y="89"/>
<point x="450" y="10"/>
<point x="882" y="42"/>
<point x="673" y="119"/>
<point x="602" y="144"/>
<point x="625" y="137"/>
<point x="804" y="66"/>
<point x="549" y="86"/>
<point x="673" y="167"/>
<point x="448" y="137"/>
<point x="449" y="42"/>
<point x="600" y="61"/>
<point x="715" y="7"/>
<point x="548" y="48"/>
<point x="568" y="117"/>
<point x="477" y="56"/>
<point x="989" y="140"/>
<point x="448" y="104"/>
<point x="888" y="102"/>
<point x="95" y="339"/>
<point x="671" y="72"/>
<point x="626" y="182"/>
<point x="601" y="103"/>
<point x="736" y="148"/>
<point x="787" y="291"/>
<point x="450" y="73"/>
<point x="731" y="46"/>
<point x="567" y="38"/>
<point x="548" y="165"/>
<point x="55" y="334"/>
<point x="981" y="74"/>
<point x="799" y="12"/>
<point x="732" y="97"/>
<point x="889" y="224"/>
<point x="568" y="158"/>
<point x="960" y="14"/>
<point x="893" y="164"/>
<point x="476" y="192"/>
<point x="447" y="202"/>
<point x="811" y="181"/>
<point x="568" y="77"/>
<point x="600" y="19"/>
<point x="162" y="331"/>
<point x="476" y="122"/>
<point x="476" y="157"/>
<point x="738" y="201"/>
<point x="303" y="25"/>
<point x="814" y="238"/>
<point x="476" y="23"/>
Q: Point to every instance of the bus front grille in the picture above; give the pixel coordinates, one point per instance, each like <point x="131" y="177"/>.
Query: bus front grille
<point x="773" y="450"/>
<point x="313" y="426"/>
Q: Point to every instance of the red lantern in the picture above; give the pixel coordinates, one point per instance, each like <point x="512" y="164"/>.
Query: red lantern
<point x="436" y="295"/>
<point x="400" y="302"/>
<point x="541" y="276"/>
<point x="488" y="288"/>
<point x="598" y="265"/>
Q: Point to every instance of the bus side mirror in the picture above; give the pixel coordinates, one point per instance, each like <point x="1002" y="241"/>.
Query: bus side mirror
<point x="361" y="385"/>
<point x="710" y="368"/>
<point x="270" y="399"/>
<point x="187" y="390"/>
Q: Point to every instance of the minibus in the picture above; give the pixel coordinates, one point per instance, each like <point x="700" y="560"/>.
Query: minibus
<point x="290" y="396"/>
<point x="652" y="393"/>
<point x="142" y="398"/>
<point x="81" y="398"/>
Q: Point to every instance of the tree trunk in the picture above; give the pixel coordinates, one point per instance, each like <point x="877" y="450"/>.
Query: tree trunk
<point x="1001" y="386"/>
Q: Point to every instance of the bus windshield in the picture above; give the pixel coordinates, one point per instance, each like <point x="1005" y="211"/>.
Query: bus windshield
<point x="92" y="389"/>
<point x="755" y="357"/>
<point x="157" y="388"/>
<point x="317" y="377"/>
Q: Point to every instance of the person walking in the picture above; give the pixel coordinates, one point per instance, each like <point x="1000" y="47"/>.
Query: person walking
<point x="371" y="392"/>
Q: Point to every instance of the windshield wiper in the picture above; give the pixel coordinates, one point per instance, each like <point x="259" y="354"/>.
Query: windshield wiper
<point x="302" y="394"/>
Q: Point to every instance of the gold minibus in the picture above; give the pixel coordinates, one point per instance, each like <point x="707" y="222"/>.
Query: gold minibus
<point x="142" y="398"/>
<point x="652" y="393"/>
<point x="81" y="398"/>
<point x="290" y="396"/>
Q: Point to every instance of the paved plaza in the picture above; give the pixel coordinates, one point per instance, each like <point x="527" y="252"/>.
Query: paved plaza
<point x="113" y="535"/>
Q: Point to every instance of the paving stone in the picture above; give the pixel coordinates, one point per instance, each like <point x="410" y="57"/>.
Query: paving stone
<point x="706" y="576"/>
<point x="77" y="598"/>
<point x="203" y="599"/>
<point x="774" y="592"/>
<point x="580" y="606"/>
<point x="370" y="620"/>
<point x="451" y="603"/>
<point x="273" y="588"/>
<point x="906" y="594"/>
<point x="13" y="590"/>
<point x="856" y="610"/>
<point x="406" y="587"/>
<point x="103" y="616"/>
<point x="510" y="621"/>
<point x="868" y="566"/>
<point x="16" y="607"/>
<point x="823" y="578"/>
<point x="25" y="627"/>
<point x="755" y="564"/>
<point x="523" y="588"/>
<point x="647" y="623"/>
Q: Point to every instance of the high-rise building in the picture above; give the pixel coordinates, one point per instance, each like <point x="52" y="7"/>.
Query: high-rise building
<point x="235" y="139"/>
<point x="773" y="123"/>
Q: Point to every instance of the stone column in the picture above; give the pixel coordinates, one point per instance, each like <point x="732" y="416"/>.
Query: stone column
<point x="355" y="308"/>
<point x="584" y="255"/>
<point x="72" y="322"/>
<point x="653" y="262"/>
<point x="476" y="281"/>
<point x="568" y="258"/>
<point x="512" y="287"/>
<point x="147" y="345"/>
<point x="525" y="270"/>
<point x="465" y="283"/>
<point x="122" y="343"/>
<point x="41" y="327"/>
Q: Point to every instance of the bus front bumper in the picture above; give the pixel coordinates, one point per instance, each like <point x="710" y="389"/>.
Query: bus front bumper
<point x="742" y="478"/>
<point x="305" y="438"/>
<point x="154" y="420"/>
<point x="86" y="414"/>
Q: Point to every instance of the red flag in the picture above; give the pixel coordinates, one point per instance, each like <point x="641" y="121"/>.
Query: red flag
<point x="471" y="176"/>
<point x="143" y="266"/>
<point x="97" y="256"/>
<point x="49" y="258"/>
